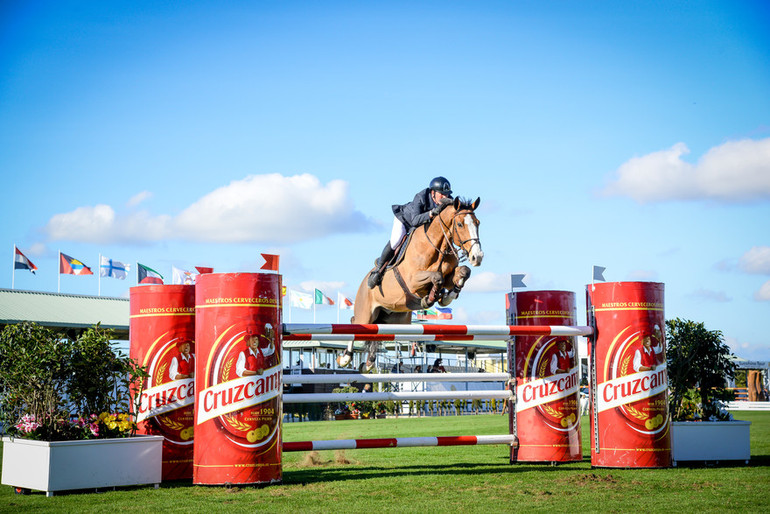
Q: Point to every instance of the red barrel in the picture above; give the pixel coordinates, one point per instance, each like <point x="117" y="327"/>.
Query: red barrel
<point x="162" y="333"/>
<point x="629" y="386"/>
<point x="546" y="418"/>
<point x="238" y="379"/>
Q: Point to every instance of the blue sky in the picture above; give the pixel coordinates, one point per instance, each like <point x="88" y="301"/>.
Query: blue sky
<point x="634" y="136"/>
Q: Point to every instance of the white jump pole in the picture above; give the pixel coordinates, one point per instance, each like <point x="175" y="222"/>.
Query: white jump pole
<point x="395" y="377"/>
<point x="398" y="396"/>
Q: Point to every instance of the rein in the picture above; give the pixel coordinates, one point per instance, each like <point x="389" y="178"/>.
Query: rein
<point x="450" y="233"/>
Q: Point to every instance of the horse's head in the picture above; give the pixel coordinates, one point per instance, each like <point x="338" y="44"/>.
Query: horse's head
<point x="465" y="229"/>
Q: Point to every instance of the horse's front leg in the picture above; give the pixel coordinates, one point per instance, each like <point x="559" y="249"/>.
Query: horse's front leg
<point x="458" y="278"/>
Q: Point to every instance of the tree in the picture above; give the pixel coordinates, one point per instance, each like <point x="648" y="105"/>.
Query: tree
<point x="699" y="362"/>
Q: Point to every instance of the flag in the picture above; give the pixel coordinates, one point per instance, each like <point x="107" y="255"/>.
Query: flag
<point x="322" y="299"/>
<point x="517" y="280"/>
<point x="599" y="273"/>
<point x="180" y="276"/>
<point x="283" y="290"/>
<point x="434" y="313"/>
<point x="71" y="266"/>
<point x="20" y="261"/>
<point x="145" y="275"/>
<point x="203" y="271"/>
<point x="344" y="302"/>
<point x="301" y="300"/>
<point x="114" y="269"/>
<point x="271" y="262"/>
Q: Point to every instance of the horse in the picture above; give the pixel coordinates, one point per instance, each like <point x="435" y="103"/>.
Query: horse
<point x="425" y="273"/>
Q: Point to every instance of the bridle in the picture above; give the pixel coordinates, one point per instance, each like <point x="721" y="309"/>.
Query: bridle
<point x="451" y="234"/>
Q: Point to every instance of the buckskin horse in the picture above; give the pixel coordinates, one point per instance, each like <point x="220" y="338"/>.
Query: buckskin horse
<point x="425" y="273"/>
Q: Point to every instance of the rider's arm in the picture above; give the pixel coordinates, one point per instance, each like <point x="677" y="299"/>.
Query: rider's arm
<point x="417" y="212"/>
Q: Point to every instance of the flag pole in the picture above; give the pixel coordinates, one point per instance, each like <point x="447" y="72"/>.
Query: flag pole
<point x="338" y="306"/>
<point x="99" y="277"/>
<point x="13" y="267"/>
<point x="58" y="287"/>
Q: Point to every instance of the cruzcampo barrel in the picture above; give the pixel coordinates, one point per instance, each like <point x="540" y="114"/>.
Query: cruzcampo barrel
<point x="238" y="379"/>
<point x="630" y="426"/>
<point x="162" y="338"/>
<point x="546" y="418"/>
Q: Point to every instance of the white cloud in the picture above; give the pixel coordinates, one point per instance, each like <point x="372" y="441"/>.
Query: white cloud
<point x="328" y="288"/>
<point x="488" y="282"/>
<point x="763" y="295"/>
<point x="138" y="198"/>
<point x="712" y="296"/>
<point x="462" y="316"/>
<point x="259" y="208"/>
<point x="756" y="260"/>
<point x="641" y="274"/>
<point x="735" y="171"/>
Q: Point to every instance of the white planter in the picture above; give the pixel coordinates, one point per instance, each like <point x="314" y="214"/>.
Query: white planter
<point x="64" y="465"/>
<point x="710" y="441"/>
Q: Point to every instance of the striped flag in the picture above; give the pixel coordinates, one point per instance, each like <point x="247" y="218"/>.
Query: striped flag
<point x="20" y="261"/>
<point x="146" y="275"/>
<point x="322" y="299"/>
<point x="71" y="266"/>
<point x="344" y="302"/>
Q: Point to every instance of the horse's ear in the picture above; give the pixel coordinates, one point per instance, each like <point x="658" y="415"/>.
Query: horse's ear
<point x="476" y="203"/>
<point x="457" y="203"/>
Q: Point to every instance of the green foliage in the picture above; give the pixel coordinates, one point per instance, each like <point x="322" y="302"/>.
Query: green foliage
<point x="698" y="362"/>
<point x="56" y="389"/>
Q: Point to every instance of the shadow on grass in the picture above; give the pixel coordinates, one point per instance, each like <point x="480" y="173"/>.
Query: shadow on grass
<point x="330" y="474"/>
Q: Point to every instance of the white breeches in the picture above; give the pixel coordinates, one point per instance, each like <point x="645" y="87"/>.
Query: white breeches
<point x="397" y="234"/>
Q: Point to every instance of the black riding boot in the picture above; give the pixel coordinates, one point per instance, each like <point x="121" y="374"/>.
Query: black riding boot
<point x="375" y="277"/>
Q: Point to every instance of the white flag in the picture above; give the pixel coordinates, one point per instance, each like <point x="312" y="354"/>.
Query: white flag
<point x="344" y="302"/>
<point x="114" y="269"/>
<point x="180" y="276"/>
<point x="301" y="300"/>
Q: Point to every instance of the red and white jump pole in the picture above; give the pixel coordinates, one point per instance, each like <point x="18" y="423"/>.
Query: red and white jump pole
<point x="395" y="377"/>
<point x="399" y="442"/>
<point x="397" y="396"/>
<point x="444" y="331"/>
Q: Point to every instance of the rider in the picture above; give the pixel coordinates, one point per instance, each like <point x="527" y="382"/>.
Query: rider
<point x="426" y="204"/>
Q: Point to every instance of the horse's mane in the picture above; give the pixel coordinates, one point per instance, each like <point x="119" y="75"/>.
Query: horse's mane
<point x="465" y="203"/>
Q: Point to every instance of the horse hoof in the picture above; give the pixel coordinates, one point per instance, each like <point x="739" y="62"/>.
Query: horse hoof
<point x="343" y="361"/>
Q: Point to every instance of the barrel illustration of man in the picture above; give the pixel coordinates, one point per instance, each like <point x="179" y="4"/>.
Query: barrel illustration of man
<point x="238" y="379"/>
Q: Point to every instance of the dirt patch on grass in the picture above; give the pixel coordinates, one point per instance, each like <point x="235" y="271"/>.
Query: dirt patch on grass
<point x="313" y="459"/>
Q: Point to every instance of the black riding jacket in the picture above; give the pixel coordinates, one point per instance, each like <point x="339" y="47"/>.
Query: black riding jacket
<point x="416" y="212"/>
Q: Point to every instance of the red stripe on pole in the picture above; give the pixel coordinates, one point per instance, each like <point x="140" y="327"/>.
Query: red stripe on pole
<point x="298" y="446"/>
<point x="460" y="440"/>
<point x="377" y="443"/>
<point x="459" y="330"/>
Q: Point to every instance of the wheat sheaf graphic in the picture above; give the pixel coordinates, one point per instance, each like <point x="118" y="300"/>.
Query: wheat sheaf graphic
<point x="553" y="412"/>
<point x="159" y="374"/>
<point x="170" y="423"/>
<point x="226" y="368"/>
<point x="236" y="424"/>
<point x="637" y="414"/>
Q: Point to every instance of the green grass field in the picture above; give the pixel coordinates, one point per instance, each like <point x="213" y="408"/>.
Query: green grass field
<point x="471" y="478"/>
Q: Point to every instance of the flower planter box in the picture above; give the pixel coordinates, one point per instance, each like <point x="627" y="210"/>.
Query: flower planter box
<point x="66" y="465"/>
<point x="710" y="441"/>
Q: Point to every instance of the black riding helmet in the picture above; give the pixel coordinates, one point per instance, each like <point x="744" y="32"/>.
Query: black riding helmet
<point x="441" y="185"/>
